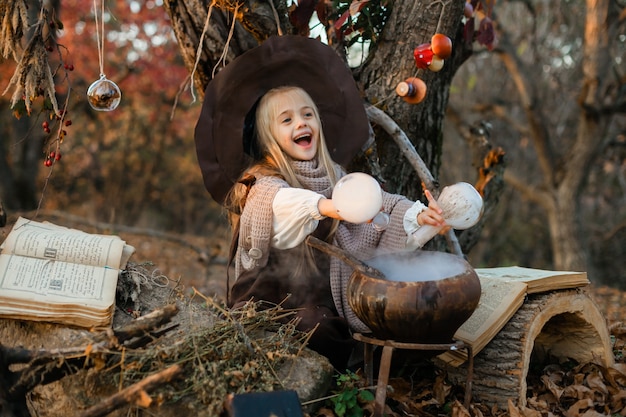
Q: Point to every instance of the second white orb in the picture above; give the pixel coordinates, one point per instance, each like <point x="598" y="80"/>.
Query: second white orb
<point x="357" y="197"/>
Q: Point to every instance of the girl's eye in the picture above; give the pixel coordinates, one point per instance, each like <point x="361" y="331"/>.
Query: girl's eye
<point x="286" y="120"/>
<point x="308" y="114"/>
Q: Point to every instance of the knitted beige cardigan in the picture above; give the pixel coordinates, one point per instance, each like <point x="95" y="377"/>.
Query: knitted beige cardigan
<point x="360" y="240"/>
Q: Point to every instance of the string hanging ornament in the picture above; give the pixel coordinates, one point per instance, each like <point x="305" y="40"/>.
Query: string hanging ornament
<point x="102" y="94"/>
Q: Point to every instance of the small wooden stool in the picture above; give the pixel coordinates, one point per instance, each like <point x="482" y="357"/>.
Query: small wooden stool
<point x="385" y="364"/>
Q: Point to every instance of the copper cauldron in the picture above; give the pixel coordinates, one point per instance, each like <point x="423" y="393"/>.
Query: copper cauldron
<point x="414" y="297"/>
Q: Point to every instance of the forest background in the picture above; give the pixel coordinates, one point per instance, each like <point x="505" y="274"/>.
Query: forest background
<point x="136" y="166"/>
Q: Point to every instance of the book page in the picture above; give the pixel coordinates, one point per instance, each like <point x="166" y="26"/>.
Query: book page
<point x="48" y="281"/>
<point x="499" y="300"/>
<point x="537" y="280"/>
<point x="37" y="240"/>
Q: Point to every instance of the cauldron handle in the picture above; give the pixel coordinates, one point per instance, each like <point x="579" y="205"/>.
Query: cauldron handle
<point x="345" y="256"/>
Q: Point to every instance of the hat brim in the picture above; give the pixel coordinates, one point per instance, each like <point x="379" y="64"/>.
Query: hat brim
<point x="279" y="61"/>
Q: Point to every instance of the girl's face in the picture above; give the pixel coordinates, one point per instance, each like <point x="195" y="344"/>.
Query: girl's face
<point x="295" y="126"/>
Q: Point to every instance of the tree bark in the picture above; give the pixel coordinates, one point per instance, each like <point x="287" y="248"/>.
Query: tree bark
<point x="390" y="62"/>
<point x="195" y="20"/>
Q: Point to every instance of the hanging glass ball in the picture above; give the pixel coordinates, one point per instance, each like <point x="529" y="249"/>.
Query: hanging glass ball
<point x="104" y="95"/>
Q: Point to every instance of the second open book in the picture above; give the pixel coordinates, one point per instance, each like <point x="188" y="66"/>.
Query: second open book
<point x="503" y="291"/>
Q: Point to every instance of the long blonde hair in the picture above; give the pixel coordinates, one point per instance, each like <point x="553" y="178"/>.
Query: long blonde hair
<point x="273" y="160"/>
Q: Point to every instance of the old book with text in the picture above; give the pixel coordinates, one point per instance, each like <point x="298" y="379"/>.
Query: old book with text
<point x="503" y="291"/>
<point x="53" y="273"/>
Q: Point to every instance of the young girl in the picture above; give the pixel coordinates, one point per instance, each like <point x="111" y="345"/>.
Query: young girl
<point x="283" y="197"/>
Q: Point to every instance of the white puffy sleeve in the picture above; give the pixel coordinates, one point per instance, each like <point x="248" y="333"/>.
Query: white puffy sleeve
<point x="411" y="225"/>
<point x="295" y="216"/>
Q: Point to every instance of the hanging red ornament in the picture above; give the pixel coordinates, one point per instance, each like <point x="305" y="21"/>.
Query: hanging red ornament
<point x="423" y="56"/>
<point x="412" y="90"/>
<point x="441" y="45"/>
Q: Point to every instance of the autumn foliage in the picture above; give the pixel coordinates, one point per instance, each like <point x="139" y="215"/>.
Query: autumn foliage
<point x="112" y="161"/>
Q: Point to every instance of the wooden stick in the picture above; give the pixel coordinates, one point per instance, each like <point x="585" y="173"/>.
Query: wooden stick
<point x="406" y="147"/>
<point x="136" y="393"/>
<point x="144" y="324"/>
<point x="410" y="153"/>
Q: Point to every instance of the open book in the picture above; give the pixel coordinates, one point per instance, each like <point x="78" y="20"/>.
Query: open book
<point x="503" y="291"/>
<point x="52" y="273"/>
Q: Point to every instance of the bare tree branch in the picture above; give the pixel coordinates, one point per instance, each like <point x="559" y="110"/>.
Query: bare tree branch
<point x="404" y="144"/>
<point x="537" y="125"/>
<point x="408" y="150"/>
<point x="529" y="192"/>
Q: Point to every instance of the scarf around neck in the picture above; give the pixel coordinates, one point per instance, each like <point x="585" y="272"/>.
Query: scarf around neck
<point x="313" y="176"/>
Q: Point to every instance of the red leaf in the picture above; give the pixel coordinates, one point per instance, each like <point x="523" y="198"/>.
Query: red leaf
<point x="468" y="32"/>
<point x="486" y="33"/>
<point x="342" y="19"/>
<point x="322" y="9"/>
<point x="300" y="15"/>
<point x="357" y="5"/>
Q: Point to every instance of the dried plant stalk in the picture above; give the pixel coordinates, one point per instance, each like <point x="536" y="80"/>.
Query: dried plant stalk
<point x="236" y="351"/>
<point x="33" y="77"/>
<point x="13" y="24"/>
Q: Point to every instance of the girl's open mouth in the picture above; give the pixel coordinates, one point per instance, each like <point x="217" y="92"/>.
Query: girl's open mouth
<point x="303" y="140"/>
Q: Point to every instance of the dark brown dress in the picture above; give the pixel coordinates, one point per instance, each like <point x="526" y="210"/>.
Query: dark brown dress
<point x="288" y="279"/>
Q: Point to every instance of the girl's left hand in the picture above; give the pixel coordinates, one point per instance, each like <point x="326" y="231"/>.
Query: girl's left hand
<point x="433" y="215"/>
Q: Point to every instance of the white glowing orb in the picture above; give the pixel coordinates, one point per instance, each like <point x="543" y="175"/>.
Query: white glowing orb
<point x="357" y="197"/>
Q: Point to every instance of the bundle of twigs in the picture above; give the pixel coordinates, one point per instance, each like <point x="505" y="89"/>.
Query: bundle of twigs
<point x="225" y="352"/>
<point x="238" y="352"/>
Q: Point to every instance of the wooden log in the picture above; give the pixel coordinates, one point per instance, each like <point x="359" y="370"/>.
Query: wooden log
<point x="563" y="325"/>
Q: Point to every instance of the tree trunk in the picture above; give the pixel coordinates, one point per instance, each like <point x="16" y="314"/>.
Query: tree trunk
<point x="389" y="63"/>
<point x="567" y="250"/>
<point x="568" y="241"/>
<point x="563" y="178"/>
<point x="255" y="23"/>
<point x="411" y="24"/>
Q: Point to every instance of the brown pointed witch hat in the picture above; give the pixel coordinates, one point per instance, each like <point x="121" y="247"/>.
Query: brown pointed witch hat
<point x="222" y="133"/>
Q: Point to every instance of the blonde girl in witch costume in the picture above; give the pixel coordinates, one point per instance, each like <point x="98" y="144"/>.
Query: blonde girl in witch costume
<point x="282" y="192"/>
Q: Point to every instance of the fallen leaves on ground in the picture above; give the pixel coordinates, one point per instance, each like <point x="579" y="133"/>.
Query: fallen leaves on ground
<point x="565" y="389"/>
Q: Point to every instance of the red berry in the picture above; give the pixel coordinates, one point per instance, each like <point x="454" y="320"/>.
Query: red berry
<point x="48" y="162"/>
<point x="44" y="125"/>
<point x="57" y="157"/>
<point x="47" y="130"/>
<point x="68" y="122"/>
<point x="52" y="154"/>
<point x="423" y="56"/>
